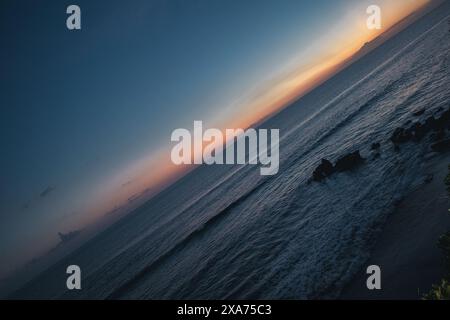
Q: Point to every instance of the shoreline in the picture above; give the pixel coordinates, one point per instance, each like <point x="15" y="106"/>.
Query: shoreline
<point x="406" y="249"/>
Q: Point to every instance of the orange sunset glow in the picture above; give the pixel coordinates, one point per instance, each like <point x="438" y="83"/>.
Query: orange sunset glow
<point x="286" y="87"/>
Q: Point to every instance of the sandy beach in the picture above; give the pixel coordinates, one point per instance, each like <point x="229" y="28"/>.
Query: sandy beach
<point x="407" y="249"/>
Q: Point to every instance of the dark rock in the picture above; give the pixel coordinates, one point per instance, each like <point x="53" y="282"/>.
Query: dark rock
<point x="430" y="123"/>
<point x="442" y="122"/>
<point x="439" y="135"/>
<point x="441" y="146"/>
<point x="401" y="135"/>
<point x="398" y="200"/>
<point x="396" y="148"/>
<point x="429" y="178"/>
<point x="375" y="146"/>
<point x="349" y="162"/>
<point x="417" y="131"/>
<point x="325" y="169"/>
<point x="419" y="113"/>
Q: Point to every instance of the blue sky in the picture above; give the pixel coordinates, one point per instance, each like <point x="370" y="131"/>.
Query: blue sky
<point x="80" y="108"/>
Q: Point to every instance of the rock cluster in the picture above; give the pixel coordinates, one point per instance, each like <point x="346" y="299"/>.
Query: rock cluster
<point x="415" y="132"/>
<point x="418" y="130"/>
<point x="345" y="163"/>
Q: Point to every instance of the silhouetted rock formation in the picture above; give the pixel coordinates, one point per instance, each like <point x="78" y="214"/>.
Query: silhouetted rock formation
<point x="437" y="136"/>
<point x="324" y="170"/>
<point x="400" y="135"/>
<point x="418" y="130"/>
<point x="349" y="162"/>
<point x="441" y="146"/>
<point x="375" y="146"/>
<point x="345" y="163"/>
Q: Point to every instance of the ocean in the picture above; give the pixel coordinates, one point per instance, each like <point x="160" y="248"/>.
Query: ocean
<point x="226" y="232"/>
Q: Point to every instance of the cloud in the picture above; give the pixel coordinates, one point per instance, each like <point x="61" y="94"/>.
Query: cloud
<point x="134" y="197"/>
<point x="127" y="183"/>
<point x="31" y="202"/>
<point x="26" y="205"/>
<point x="47" y="191"/>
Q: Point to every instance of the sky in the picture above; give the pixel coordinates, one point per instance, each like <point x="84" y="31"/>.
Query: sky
<point x="87" y="115"/>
